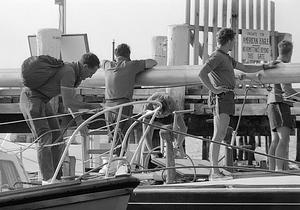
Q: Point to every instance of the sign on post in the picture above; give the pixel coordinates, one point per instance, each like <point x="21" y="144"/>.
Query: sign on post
<point x="255" y="46"/>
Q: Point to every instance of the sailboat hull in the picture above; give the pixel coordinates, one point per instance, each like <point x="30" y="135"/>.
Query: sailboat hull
<point x="251" y="193"/>
<point x="111" y="193"/>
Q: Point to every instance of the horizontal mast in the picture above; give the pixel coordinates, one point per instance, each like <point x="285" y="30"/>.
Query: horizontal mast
<point x="175" y="76"/>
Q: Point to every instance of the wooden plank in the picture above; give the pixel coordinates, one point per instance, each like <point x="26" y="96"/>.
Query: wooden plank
<point x="10" y="92"/>
<point x="266" y="14"/>
<point x="224" y="19"/>
<point x="210" y="28"/>
<point x="272" y="15"/>
<point x="201" y="90"/>
<point x="10" y="108"/>
<point x="187" y="18"/>
<point x="244" y="18"/>
<point x="215" y="24"/>
<point x="103" y="147"/>
<point x="251" y="16"/>
<point x="250" y="109"/>
<point x="205" y="31"/>
<point x="199" y="97"/>
<point x="159" y="49"/>
<point x="196" y="33"/>
<point x="272" y="28"/>
<point x="188" y="12"/>
<point x="235" y="25"/>
<point x="146" y="92"/>
<point x="85" y="142"/>
<point x="258" y="14"/>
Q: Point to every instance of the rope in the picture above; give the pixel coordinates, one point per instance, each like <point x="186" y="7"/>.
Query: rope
<point x="221" y="167"/>
<point x="48" y="117"/>
<point x="234" y="133"/>
<point x="216" y="142"/>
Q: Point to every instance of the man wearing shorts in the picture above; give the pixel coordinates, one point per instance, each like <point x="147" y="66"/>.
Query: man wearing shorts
<point x="279" y="114"/>
<point x="217" y="74"/>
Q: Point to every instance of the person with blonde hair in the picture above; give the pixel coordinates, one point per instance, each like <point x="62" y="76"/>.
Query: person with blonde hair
<point x="168" y="119"/>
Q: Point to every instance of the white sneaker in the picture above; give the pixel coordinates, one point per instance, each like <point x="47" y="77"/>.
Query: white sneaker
<point x="219" y="176"/>
<point x="112" y="169"/>
<point x="103" y="170"/>
<point x="49" y="181"/>
<point x="123" y="170"/>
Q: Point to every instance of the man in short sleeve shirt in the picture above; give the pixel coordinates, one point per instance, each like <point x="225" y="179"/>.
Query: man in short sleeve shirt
<point x="34" y="103"/>
<point x="120" y="79"/>
<point x="279" y="113"/>
<point x="217" y="74"/>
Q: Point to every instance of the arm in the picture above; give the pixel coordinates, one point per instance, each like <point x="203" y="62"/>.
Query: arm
<point x="252" y="68"/>
<point x="148" y="137"/>
<point x="206" y="81"/>
<point x="179" y="125"/>
<point x="68" y="92"/>
<point x="105" y="64"/>
<point x="247" y="68"/>
<point x="150" y="63"/>
<point x="70" y="100"/>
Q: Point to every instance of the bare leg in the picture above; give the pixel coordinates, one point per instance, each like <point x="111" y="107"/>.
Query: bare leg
<point x="283" y="147"/>
<point x="178" y="144"/>
<point x="272" y="149"/>
<point x="221" y="123"/>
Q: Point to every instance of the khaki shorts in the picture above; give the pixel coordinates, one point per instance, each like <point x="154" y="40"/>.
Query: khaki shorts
<point x="222" y="103"/>
<point x="279" y="115"/>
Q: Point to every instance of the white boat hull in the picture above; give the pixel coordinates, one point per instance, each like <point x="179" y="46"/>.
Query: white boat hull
<point x="268" y="193"/>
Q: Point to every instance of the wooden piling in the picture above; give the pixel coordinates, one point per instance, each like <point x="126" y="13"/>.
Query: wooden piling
<point x="170" y="158"/>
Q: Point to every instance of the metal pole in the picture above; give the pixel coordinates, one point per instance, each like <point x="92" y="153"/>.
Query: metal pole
<point x="187" y="11"/>
<point x="113" y="50"/>
<point x="62" y="15"/>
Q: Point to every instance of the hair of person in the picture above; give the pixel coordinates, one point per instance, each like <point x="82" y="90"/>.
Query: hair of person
<point x="285" y="47"/>
<point x="168" y="104"/>
<point x="224" y="35"/>
<point x="90" y="59"/>
<point x="122" y="50"/>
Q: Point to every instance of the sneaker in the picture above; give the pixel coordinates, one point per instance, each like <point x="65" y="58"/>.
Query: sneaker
<point x="293" y="167"/>
<point x="111" y="171"/>
<point x="219" y="177"/>
<point x="123" y="170"/>
<point x="49" y="181"/>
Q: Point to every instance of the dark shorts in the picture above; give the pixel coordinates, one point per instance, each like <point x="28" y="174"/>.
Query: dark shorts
<point x="222" y="103"/>
<point x="279" y="115"/>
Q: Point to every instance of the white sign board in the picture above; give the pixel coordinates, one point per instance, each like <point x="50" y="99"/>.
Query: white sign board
<point x="255" y="46"/>
<point x="73" y="46"/>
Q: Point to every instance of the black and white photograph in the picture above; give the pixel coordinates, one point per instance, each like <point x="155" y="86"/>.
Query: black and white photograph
<point x="149" y="105"/>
